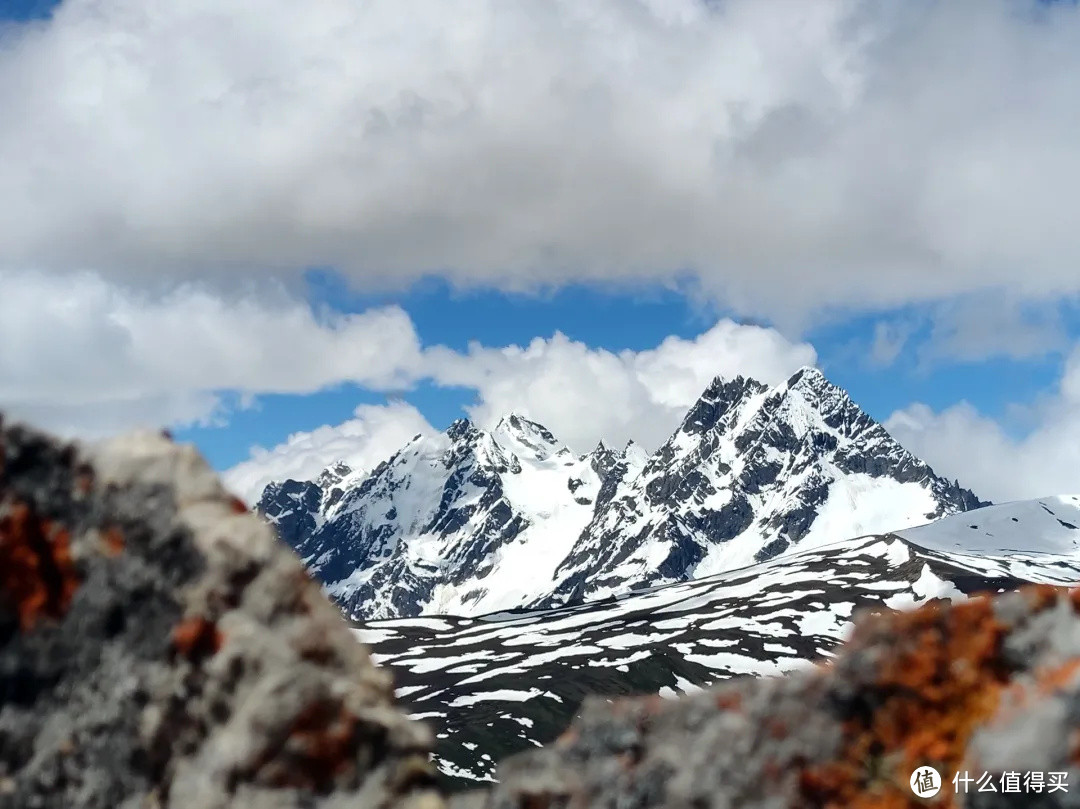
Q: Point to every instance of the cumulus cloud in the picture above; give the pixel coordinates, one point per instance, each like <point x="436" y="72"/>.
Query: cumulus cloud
<point x="85" y="357"/>
<point x="81" y="355"/>
<point x="882" y="152"/>
<point x="961" y="442"/>
<point x="373" y="434"/>
<point x="584" y="394"/>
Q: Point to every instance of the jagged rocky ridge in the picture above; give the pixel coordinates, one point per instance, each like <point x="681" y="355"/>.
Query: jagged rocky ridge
<point x="474" y="521"/>
<point x="497" y="685"/>
<point x="467" y="521"/>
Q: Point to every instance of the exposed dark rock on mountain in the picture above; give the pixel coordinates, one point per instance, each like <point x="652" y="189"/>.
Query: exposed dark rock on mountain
<point x="494" y="686"/>
<point x="750" y="474"/>
<point x="158" y="647"/>
<point x="436" y="527"/>
<point x="475" y="521"/>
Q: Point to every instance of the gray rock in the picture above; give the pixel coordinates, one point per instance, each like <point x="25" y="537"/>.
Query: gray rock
<point x="160" y="648"/>
<point x="981" y="686"/>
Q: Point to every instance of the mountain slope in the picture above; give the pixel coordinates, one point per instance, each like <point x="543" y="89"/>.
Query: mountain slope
<point x="468" y="521"/>
<point x="495" y="685"/>
<point x="473" y="521"/>
<point x="752" y="472"/>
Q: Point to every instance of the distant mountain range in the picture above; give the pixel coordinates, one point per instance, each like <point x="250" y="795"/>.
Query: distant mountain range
<point x="503" y="577"/>
<point x="496" y="685"/>
<point x="474" y="521"/>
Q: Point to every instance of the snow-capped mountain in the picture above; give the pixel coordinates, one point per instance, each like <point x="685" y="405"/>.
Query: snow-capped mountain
<point x="752" y="472"/>
<point x="495" y="685"/>
<point x="473" y="521"/>
<point x="465" y="522"/>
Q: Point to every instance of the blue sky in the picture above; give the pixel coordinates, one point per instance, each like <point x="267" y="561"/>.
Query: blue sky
<point x="582" y="210"/>
<point x="615" y="321"/>
<point x="26" y="9"/>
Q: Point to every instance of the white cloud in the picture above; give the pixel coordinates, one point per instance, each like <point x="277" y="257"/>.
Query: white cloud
<point x="81" y="355"/>
<point x="581" y="393"/>
<point x="374" y="434"/>
<point x="975" y="328"/>
<point x="84" y="356"/>
<point x="890" y="337"/>
<point x="877" y="152"/>
<point x="107" y="417"/>
<point x="962" y="443"/>
<point x="584" y="394"/>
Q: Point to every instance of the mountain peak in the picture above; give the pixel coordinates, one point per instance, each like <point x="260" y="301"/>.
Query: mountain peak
<point x="522" y="430"/>
<point x="812" y="383"/>
<point x="333" y="474"/>
<point x="746" y="477"/>
<point x="718" y="400"/>
<point x="460" y="429"/>
<point x="483" y="518"/>
<point x="723" y="389"/>
<point x="807" y="374"/>
<point x="517" y="423"/>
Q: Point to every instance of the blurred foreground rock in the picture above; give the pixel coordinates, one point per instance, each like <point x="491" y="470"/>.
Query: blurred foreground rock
<point x="159" y="648"/>
<point x="984" y="686"/>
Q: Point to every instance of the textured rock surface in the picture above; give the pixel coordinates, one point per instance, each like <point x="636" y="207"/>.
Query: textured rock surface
<point x="159" y="648"/>
<point x="751" y="473"/>
<point x="467" y="522"/>
<point x="476" y="521"/>
<point x="982" y="686"/>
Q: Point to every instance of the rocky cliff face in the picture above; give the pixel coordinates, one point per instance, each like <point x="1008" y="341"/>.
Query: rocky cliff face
<point x="159" y="647"/>
<point x="468" y="521"/>
<point x="475" y="521"/>
<point x="751" y="473"/>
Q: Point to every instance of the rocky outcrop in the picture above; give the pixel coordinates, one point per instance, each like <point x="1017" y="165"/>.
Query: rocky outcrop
<point x="984" y="686"/>
<point x="159" y="648"/>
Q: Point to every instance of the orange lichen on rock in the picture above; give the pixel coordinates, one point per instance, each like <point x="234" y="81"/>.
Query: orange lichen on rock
<point x="84" y="481"/>
<point x="112" y="542"/>
<point x="197" y="638"/>
<point x="728" y="700"/>
<point x="1057" y="679"/>
<point x="943" y="675"/>
<point x="321" y="746"/>
<point x="1042" y="596"/>
<point x="38" y="577"/>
